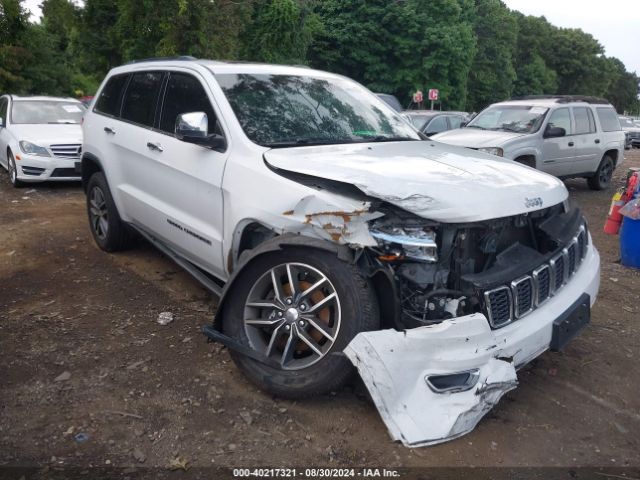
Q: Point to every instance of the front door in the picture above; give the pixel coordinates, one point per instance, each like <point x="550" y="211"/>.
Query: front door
<point x="558" y="153"/>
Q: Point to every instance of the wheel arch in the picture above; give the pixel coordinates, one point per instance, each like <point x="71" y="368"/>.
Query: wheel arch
<point x="279" y="242"/>
<point x="89" y="165"/>
<point x="613" y="153"/>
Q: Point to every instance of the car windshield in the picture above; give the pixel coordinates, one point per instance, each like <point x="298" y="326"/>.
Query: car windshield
<point x="419" y="121"/>
<point x="295" y="110"/>
<point x="510" y="118"/>
<point x="626" y="122"/>
<point x="43" y="111"/>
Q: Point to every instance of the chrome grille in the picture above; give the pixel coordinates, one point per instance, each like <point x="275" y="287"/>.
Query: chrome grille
<point x="499" y="306"/>
<point x="507" y="303"/>
<point x="522" y="295"/>
<point x="71" y="150"/>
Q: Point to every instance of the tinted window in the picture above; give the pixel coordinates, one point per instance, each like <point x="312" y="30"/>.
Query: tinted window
<point x="608" y="119"/>
<point x="561" y="118"/>
<point x="437" y="125"/>
<point x="583" y="120"/>
<point x="184" y="94"/>
<point x="3" y="110"/>
<point x="109" y="100"/>
<point x="139" y="104"/>
<point x="455" y="121"/>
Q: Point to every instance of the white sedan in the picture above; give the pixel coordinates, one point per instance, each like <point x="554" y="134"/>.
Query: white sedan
<point x="40" y="138"/>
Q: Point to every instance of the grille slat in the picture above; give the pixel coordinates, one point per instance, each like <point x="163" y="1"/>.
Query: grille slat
<point x="65" y="172"/>
<point x="71" y="150"/>
<point x="504" y="304"/>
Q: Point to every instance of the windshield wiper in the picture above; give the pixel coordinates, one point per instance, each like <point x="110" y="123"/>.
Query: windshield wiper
<point x="383" y="138"/>
<point x="306" y="142"/>
<point x="474" y="126"/>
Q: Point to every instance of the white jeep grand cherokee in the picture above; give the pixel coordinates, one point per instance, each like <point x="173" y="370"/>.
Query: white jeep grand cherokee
<point x="335" y="233"/>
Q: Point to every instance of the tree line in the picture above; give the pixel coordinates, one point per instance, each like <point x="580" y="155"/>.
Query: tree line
<point x="475" y="52"/>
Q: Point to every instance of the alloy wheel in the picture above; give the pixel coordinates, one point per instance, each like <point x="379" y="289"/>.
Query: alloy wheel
<point x="605" y="173"/>
<point x="292" y="314"/>
<point x="98" y="214"/>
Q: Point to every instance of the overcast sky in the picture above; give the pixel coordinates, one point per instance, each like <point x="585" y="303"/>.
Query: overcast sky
<point x="614" y="23"/>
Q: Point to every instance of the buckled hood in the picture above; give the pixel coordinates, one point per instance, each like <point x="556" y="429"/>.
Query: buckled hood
<point x="430" y="179"/>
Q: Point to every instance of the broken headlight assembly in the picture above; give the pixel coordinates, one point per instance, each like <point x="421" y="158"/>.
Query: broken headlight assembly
<point x="411" y="243"/>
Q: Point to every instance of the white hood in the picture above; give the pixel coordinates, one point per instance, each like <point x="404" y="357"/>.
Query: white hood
<point x="49" y="134"/>
<point x="475" y="138"/>
<point x="429" y="179"/>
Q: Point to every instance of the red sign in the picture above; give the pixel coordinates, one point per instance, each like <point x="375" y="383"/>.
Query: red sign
<point x="433" y="94"/>
<point x="417" y="97"/>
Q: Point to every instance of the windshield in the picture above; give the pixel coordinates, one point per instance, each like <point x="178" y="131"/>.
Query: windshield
<point x="289" y="110"/>
<point x="510" y="118"/>
<point x="40" y="111"/>
<point x="626" y="122"/>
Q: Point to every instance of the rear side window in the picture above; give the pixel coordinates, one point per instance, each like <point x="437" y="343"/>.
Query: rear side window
<point x="141" y="98"/>
<point x="584" y="120"/>
<point x="608" y="119"/>
<point x="184" y="94"/>
<point x="437" y="125"/>
<point x="111" y="95"/>
<point x="561" y="118"/>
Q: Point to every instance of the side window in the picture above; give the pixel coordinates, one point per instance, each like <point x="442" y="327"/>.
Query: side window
<point x="111" y="96"/>
<point x="141" y="98"/>
<point x="584" y="122"/>
<point x="455" y="121"/>
<point x="561" y="118"/>
<point x="608" y="119"/>
<point x="185" y="94"/>
<point x="592" y="121"/>
<point x="437" y="125"/>
<point x="4" y="103"/>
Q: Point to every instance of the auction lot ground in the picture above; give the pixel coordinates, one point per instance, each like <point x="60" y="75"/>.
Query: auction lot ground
<point x="151" y="395"/>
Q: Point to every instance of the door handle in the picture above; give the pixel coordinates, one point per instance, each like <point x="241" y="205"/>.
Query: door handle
<point x="571" y="144"/>
<point x="155" y="146"/>
<point x="110" y="130"/>
<point x="597" y="140"/>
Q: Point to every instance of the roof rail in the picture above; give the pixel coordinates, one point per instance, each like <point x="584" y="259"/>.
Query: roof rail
<point x="565" y="98"/>
<point x="163" y="59"/>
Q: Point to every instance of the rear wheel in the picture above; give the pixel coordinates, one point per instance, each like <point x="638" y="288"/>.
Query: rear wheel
<point x="602" y="178"/>
<point x="299" y="307"/>
<point x="108" y="231"/>
<point x="13" y="170"/>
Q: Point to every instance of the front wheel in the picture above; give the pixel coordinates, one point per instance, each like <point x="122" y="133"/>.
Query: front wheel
<point x="300" y="308"/>
<point x="602" y="178"/>
<point x="108" y="231"/>
<point x="13" y="170"/>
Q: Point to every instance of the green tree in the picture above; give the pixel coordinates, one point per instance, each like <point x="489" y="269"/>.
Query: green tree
<point x="534" y="75"/>
<point x="492" y="74"/>
<point x="13" y="23"/>
<point x="623" y="87"/>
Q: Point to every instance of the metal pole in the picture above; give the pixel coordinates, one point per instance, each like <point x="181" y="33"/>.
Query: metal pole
<point x="431" y="104"/>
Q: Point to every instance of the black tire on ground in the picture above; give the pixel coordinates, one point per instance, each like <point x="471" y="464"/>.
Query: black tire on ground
<point x="358" y="311"/>
<point x="13" y="170"/>
<point x="602" y="178"/>
<point x="108" y="231"/>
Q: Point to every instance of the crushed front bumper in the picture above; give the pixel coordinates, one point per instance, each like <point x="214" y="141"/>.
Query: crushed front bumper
<point x="395" y="365"/>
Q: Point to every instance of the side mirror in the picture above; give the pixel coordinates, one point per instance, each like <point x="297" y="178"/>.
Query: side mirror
<point x="193" y="127"/>
<point x="554" y="132"/>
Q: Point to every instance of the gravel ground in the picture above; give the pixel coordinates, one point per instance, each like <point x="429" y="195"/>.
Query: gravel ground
<point x="88" y="378"/>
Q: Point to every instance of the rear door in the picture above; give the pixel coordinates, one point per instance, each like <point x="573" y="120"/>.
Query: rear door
<point x="559" y="153"/>
<point x="586" y="141"/>
<point x="4" y="134"/>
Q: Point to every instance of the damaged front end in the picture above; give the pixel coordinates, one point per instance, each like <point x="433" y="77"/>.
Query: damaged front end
<point x="476" y="301"/>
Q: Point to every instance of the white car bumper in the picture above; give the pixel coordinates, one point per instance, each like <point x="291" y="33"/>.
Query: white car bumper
<point x="33" y="168"/>
<point x="395" y="365"/>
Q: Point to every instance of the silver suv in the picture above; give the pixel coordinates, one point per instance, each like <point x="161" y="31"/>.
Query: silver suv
<point x="566" y="136"/>
<point x="337" y="235"/>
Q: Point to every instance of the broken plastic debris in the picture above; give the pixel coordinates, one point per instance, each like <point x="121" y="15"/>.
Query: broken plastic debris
<point x="395" y="366"/>
<point x="165" y="318"/>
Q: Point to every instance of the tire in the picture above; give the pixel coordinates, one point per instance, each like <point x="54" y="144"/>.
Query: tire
<point x="602" y="178"/>
<point x="108" y="231"/>
<point x="307" y="371"/>
<point x="13" y="170"/>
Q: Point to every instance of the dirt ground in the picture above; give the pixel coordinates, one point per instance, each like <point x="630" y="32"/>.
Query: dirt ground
<point x="89" y="379"/>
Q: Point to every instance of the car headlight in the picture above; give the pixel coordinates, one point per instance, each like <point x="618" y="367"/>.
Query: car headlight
<point x="33" y="149"/>
<point x="493" y="151"/>
<point x="412" y="243"/>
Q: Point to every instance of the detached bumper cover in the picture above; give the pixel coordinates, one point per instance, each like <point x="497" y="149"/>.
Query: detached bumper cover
<point x="395" y="365"/>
